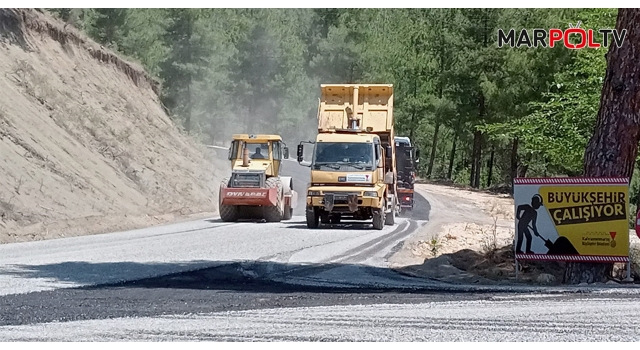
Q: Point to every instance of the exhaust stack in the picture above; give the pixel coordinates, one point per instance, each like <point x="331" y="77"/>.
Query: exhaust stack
<point x="354" y="118"/>
<point x="245" y="156"/>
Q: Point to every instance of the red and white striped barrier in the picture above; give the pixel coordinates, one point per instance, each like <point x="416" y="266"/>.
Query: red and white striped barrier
<point x="581" y="258"/>
<point x="571" y="180"/>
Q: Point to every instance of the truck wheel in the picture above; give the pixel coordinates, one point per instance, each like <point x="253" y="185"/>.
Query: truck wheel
<point x="390" y="218"/>
<point x="274" y="213"/>
<point x="378" y="218"/>
<point x="228" y="213"/>
<point x="313" y="219"/>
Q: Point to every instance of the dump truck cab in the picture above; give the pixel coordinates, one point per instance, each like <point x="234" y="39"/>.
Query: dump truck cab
<point x="256" y="187"/>
<point x="353" y="172"/>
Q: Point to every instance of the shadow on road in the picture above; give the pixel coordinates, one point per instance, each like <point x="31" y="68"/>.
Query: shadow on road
<point x="356" y="225"/>
<point x="249" y="276"/>
<point x="227" y="287"/>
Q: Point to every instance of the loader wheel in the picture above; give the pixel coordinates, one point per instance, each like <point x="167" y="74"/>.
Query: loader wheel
<point x="313" y="219"/>
<point x="274" y="213"/>
<point x="228" y="213"/>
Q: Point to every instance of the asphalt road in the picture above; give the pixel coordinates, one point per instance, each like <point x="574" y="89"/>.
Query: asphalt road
<point x="210" y="280"/>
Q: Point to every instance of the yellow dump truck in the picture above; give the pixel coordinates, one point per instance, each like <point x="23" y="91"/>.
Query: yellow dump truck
<point x="353" y="167"/>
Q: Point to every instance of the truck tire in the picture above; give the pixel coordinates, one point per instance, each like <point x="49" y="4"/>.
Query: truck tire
<point x="390" y="218"/>
<point x="313" y="219"/>
<point x="274" y="213"/>
<point x="378" y="218"/>
<point x="228" y="213"/>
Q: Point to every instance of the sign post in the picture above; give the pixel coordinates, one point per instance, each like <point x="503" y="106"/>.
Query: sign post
<point x="638" y="223"/>
<point x="572" y="219"/>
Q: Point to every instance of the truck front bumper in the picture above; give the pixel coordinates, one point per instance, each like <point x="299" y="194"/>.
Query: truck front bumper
<point x="339" y="202"/>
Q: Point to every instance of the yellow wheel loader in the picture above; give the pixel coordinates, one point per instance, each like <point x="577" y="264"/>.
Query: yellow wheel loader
<point x="255" y="188"/>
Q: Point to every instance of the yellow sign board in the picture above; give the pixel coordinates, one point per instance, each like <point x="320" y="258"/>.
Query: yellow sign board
<point x="572" y="219"/>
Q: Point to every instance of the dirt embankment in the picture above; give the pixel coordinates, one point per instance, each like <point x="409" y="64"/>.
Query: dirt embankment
<point x="85" y="144"/>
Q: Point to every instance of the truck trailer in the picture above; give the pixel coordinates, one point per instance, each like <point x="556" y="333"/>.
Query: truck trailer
<point x="407" y="157"/>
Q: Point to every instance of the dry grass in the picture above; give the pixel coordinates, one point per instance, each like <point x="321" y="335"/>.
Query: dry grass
<point x="635" y="260"/>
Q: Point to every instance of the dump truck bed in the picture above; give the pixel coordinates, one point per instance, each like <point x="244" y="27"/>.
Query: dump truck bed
<point x="371" y="105"/>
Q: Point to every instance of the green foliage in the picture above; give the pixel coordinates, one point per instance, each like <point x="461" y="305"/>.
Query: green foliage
<point x="62" y="13"/>
<point x="243" y="70"/>
<point x="105" y="25"/>
<point x="560" y="121"/>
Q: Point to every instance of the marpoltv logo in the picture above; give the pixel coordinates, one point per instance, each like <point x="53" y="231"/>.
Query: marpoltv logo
<point x="555" y="36"/>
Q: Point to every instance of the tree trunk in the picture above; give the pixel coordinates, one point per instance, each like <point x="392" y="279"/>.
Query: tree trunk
<point x="477" y="159"/>
<point x="433" y="149"/>
<point x="613" y="147"/>
<point x="514" y="162"/>
<point x="452" y="156"/>
<point x="413" y="112"/>
<point x="472" y="178"/>
<point x="523" y="167"/>
<point x="413" y="127"/>
<point x="442" y="150"/>
<point x="490" y="167"/>
<point x="477" y="145"/>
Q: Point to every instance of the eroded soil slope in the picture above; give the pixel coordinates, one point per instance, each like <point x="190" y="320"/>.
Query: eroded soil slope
<point x="85" y="145"/>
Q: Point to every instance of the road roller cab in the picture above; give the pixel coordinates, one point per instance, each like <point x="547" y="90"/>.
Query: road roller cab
<point x="255" y="187"/>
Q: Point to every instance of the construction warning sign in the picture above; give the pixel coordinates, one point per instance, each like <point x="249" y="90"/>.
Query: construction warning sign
<point x="572" y="219"/>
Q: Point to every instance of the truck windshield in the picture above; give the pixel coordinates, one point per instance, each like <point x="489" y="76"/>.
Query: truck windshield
<point x="343" y="156"/>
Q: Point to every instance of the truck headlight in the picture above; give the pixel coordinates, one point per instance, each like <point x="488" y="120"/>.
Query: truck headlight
<point x="314" y="193"/>
<point x="370" y="194"/>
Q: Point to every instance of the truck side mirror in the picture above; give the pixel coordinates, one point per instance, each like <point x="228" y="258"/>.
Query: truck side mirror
<point x="300" y="153"/>
<point x="417" y="154"/>
<point x="388" y="153"/>
<point x="286" y="153"/>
